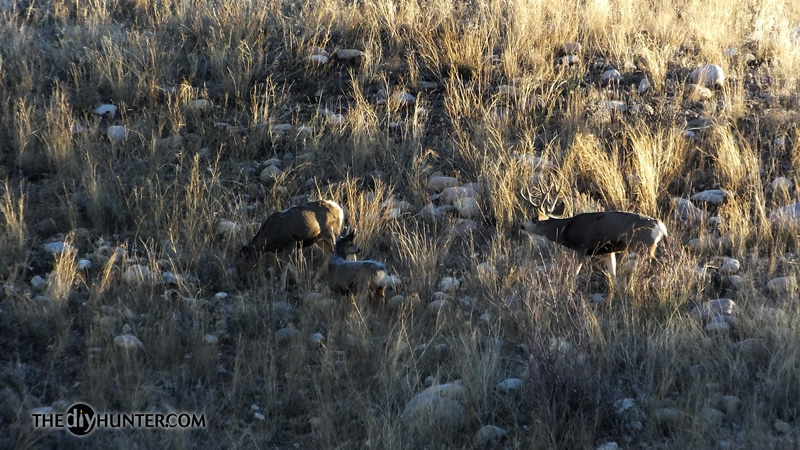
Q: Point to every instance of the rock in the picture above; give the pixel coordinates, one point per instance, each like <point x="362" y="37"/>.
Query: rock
<point x="718" y="326"/>
<point x="731" y="404"/>
<point x="782" y="286"/>
<point x="713" y="309"/>
<point x="84" y="264"/>
<point x="507" y="90"/>
<point x="437" y="409"/>
<point x="228" y="227"/>
<point x="712" y="416"/>
<point x="348" y="54"/>
<point x="220" y="295"/>
<point x="782" y="427"/>
<point x="510" y="385"/>
<point x="201" y="104"/>
<point x="668" y="416"/>
<point x="464" y="227"/>
<point x="685" y="212"/>
<point x="427" y="85"/>
<point x="59" y="248"/>
<point x="728" y="266"/>
<point x="42" y="299"/>
<point x="38" y="283"/>
<point x="609" y="77"/>
<point x="488" y="435"/>
<point x="536" y="163"/>
<point x="317" y="339"/>
<point x="210" y="339"/>
<point x="430" y="213"/>
<point x="106" y="110"/>
<point x="696" y="93"/>
<point x="571" y="48"/>
<point x="440" y="305"/>
<point x="708" y="75"/>
<point x="117" y="133"/>
<point x="713" y="196"/>
<point x="710" y="243"/>
<point x="403" y="98"/>
<point x="440" y="183"/>
<point x="318" y="59"/>
<point x="259" y="416"/>
<point x="468" y="207"/>
<point x="644" y="86"/>
<point x="613" y="106"/>
<point x="568" y="61"/>
<point x="141" y="275"/>
<point x="449" y="284"/>
<point x="450" y="195"/>
<point x="283" y="311"/>
<point x="269" y="174"/>
<point x="770" y="314"/>
<point x="608" y="446"/>
<point x="281" y="128"/>
<point x="128" y="342"/>
<point x="788" y="215"/>
<point x="333" y="117"/>
<point x="781" y="184"/>
<point x="285" y="334"/>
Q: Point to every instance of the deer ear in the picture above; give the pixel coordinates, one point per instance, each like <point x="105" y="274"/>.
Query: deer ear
<point x="558" y="210"/>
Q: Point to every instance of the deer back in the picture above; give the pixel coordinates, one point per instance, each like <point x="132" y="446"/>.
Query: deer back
<point x="611" y="231"/>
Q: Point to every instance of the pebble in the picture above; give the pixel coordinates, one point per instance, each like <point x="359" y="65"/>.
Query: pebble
<point x="201" y="104"/>
<point x="782" y="286"/>
<point x="228" y="227"/>
<point x="59" y="247"/>
<point x="38" y="282"/>
<point x="608" y="446"/>
<point x="286" y="334"/>
<point x="611" y="76"/>
<point x="713" y="196"/>
<point x="269" y="174"/>
<point x="139" y="274"/>
<point x="468" y="207"/>
<point x="613" y="105"/>
<point x="644" y="86"/>
<point x="347" y="54"/>
<point x="84" y="264"/>
<point x="714" y="308"/>
<point x="318" y="59"/>
<point x="437" y="409"/>
<point x="465" y="227"/>
<point x="117" y="133"/>
<point x="449" y="284"/>
<point x="708" y="75"/>
<point x="668" y="416"/>
<point x="440" y="183"/>
<point x="106" y="110"/>
<point x="128" y="342"/>
<point x="210" y="339"/>
<point x="782" y="427"/>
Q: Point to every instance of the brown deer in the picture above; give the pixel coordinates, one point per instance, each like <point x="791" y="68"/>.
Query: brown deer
<point x="300" y="226"/>
<point x="601" y="234"/>
<point x="354" y="277"/>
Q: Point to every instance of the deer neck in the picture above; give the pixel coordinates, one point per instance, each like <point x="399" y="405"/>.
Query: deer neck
<point x="552" y="229"/>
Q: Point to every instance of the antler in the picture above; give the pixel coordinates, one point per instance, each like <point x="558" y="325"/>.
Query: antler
<point x="541" y="199"/>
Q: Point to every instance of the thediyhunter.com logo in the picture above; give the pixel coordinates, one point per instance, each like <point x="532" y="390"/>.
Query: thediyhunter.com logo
<point x="80" y="419"/>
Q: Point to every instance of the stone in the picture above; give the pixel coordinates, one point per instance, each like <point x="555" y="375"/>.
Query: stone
<point x="712" y="416"/>
<point x="465" y="227"/>
<point x="117" y="133"/>
<point x="708" y="75"/>
<point x="59" y="248"/>
<point x="437" y="409"/>
<point x="440" y="183"/>
<point x="450" y="195"/>
<point x="210" y="339"/>
<point x="106" y="110"/>
<point x="644" y="86"/>
<point x="611" y="76"/>
<point x="782" y="427"/>
<point x="571" y="48"/>
<point x="38" y="283"/>
<point x="468" y="207"/>
<point x="440" y="305"/>
<point x="510" y="385"/>
<point x="782" y="286"/>
<point x="228" y="227"/>
<point x="270" y="174"/>
<point x="286" y="334"/>
<point x="713" y="196"/>
<point x="728" y="266"/>
<point x="200" y="104"/>
<point x="781" y="183"/>
<point x="318" y="59"/>
<point x="84" y="264"/>
<point x="348" y="54"/>
<point x="429" y="213"/>
<point x="568" y="61"/>
<point x="403" y="98"/>
<point x="608" y="446"/>
<point x="488" y="435"/>
<point x="613" y="106"/>
<point x="696" y="93"/>
<point x="713" y="309"/>
<point x="788" y="215"/>
<point x="668" y="416"/>
<point x="141" y="275"/>
<point x="449" y="284"/>
<point x="731" y="404"/>
<point x="128" y="342"/>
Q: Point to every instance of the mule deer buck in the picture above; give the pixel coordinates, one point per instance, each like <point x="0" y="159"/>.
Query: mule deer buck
<point x="354" y="277"/>
<point x="300" y="226"/>
<point x="601" y="234"/>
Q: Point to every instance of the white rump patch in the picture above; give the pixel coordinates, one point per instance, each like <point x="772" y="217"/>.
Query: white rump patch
<point x="659" y="231"/>
<point x="336" y="206"/>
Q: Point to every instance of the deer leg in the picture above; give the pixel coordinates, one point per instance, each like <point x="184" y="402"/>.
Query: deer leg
<point x="611" y="264"/>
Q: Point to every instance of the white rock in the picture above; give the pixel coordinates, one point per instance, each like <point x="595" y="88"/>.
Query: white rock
<point x="200" y="104"/>
<point x="38" y="283"/>
<point x="713" y="196"/>
<point x="106" y="109"/>
<point x="282" y="127"/>
<point x="59" y="247"/>
<point x="714" y="308"/>
<point x="708" y="75"/>
<point x="449" y="284"/>
<point x="489" y="434"/>
<point x="168" y="278"/>
<point x="317" y="339"/>
<point x="139" y="274"/>
<point x="334" y="118"/>
<point x="228" y="227"/>
<point x="610" y="76"/>
<point x="437" y="409"/>
<point x="349" y="53"/>
<point x="728" y="266"/>
<point x="128" y="342"/>
<point x="468" y="207"/>
<point x="686" y="212"/>
<point x="318" y="59"/>
<point x="440" y="183"/>
<point x="259" y="416"/>
<point x="608" y="446"/>
<point x="84" y="264"/>
<point x="782" y="286"/>
<point x="269" y="174"/>
<point x="404" y="98"/>
<point x="430" y="213"/>
<point x="507" y="90"/>
<point x="117" y="133"/>
<point x="571" y="48"/>
<point x="510" y="384"/>
<point x="781" y="183"/>
<point x="644" y="86"/>
<point x="786" y="215"/>
<point x="210" y="339"/>
<point x="221" y="295"/>
<point x="450" y="195"/>
<point x="696" y="93"/>
<point x="613" y="106"/>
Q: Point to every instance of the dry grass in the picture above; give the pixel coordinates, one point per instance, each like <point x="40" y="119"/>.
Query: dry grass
<point x="158" y="198"/>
